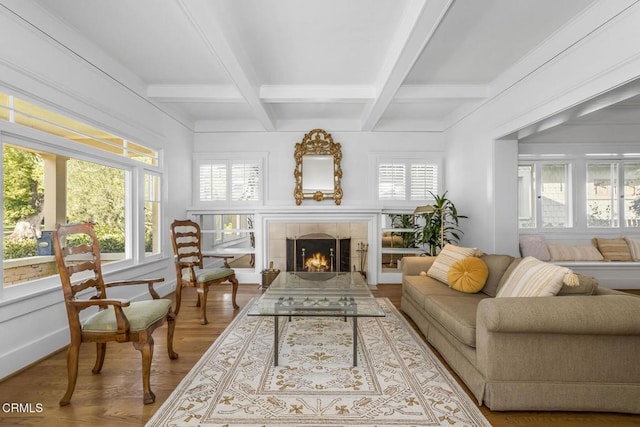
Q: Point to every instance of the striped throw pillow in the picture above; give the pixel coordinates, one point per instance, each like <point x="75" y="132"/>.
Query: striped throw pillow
<point x="615" y="249"/>
<point x="448" y="255"/>
<point x="634" y="248"/>
<point x="533" y="278"/>
<point x="566" y="252"/>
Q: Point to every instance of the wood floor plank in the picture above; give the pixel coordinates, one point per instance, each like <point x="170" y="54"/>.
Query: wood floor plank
<point x="114" y="397"/>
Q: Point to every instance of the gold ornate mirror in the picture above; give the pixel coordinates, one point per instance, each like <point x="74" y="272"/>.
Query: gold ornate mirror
<point x="318" y="171"/>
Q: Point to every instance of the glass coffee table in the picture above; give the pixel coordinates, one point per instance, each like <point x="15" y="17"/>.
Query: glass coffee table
<point x="317" y="295"/>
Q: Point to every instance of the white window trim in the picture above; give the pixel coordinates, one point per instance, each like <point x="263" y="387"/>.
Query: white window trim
<point x="228" y="158"/>
<point x="416" y="157"/>
<point x="26" y="137"/>
<point x="578" y="205"/>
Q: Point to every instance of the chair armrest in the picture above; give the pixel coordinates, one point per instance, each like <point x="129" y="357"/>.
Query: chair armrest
<point x="116" y="302"/>
<point x="149" y="283"/>
<point x="224" y="257"/>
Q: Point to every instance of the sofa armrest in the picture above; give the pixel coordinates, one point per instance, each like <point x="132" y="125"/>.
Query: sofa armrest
<point x="413" y="265"/>
<point x="594" y="315"/>
<point x="574" y="339"/>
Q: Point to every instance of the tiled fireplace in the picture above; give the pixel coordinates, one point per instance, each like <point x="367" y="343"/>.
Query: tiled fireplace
<point x="316" y="246"/>
<point x="319" y="252"/>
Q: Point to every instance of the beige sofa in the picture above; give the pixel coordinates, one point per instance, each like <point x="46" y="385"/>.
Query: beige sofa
<point x="578" y="351"/>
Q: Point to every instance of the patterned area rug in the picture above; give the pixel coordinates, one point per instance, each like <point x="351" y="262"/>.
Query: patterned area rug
<point x="398" y="380"/>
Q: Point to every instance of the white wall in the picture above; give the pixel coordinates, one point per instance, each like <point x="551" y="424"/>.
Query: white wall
<point x="35" y="67"/>
<point x="589" y="58"/>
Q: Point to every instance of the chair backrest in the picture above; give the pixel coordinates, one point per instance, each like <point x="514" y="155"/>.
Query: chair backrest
<point x="77" y="254"/>
<point x="186" y="241"/>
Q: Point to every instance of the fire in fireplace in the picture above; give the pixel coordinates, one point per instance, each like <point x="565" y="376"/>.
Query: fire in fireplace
<point x="317" y="262"/>
<point x="318" y="252"/>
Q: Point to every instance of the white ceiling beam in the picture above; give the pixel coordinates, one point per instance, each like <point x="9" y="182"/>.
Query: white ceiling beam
<point x="417" y="93"/>
<point x="194" y="93"/>
<point x="316" y="93"/>
<point x="210" y="25"/>
<point x="418" y="25"/>
<point x="605" y="100"/>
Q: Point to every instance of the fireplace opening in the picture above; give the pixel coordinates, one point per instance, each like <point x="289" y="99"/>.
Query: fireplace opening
<point x="318" y="252"/>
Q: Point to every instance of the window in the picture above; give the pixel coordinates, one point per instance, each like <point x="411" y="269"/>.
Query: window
<point x="19" y="111"/>
<point x="229" y="180"/>
<point x="602" y="187"/>
<point x="608" y="196"/>
<point x="554" y="196"/>
<point x="58" y="170"/>
<point x="613" y="194"/>
<point x="407" y="179"/>
<point x="152" y="204"/>
<point x="526" y="196"/>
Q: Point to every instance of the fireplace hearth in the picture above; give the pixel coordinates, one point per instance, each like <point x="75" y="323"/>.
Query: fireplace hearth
<point x="318" y="252"/>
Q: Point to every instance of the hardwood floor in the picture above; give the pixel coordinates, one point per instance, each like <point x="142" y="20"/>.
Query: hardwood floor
<point x="114" y="397"/>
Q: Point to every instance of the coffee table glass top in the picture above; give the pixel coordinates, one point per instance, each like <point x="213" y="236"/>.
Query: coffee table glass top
<point x="317" y="294"/>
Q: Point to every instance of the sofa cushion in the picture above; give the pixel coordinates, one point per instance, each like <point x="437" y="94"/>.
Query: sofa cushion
<point x="445" y="259"/>
<point x="420" y="287"/>
<point x="587" y="285"/>
<point x="497" y="265"/>
<point x="534" y="245"/>
<point x="567" y="252"/>
<point x="615" y="249"/>
<point x="534" y="278"/>
<point x="634" y="248"/>
<point x="468" y="275"/>
<point x="456" y="314"/>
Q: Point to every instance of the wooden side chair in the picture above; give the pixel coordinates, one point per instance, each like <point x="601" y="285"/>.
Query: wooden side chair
<point x="78" y="257"/>
<point x="186" y="238"/>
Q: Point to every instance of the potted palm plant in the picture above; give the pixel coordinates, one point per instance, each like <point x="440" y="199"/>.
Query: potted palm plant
<point x="441" y="225"/>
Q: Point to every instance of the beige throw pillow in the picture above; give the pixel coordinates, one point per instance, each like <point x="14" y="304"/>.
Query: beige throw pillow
<point x="566" y="252"/>
<point x="448" y="255"/>
<point x="534" y="278"/>
<point x="615" y="249"/>
<point x="634" y="248"/>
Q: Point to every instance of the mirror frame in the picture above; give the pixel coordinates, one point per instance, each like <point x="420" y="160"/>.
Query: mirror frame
<point x="318" y="143"/>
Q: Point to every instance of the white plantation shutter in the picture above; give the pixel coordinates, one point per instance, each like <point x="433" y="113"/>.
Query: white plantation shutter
<point x="424" y="179"/>
<point x="245" y="181"/>
<point x="213" y="182"/>
<point x="392" y="181"/>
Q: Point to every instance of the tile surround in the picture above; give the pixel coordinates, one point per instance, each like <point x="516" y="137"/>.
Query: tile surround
<point x="279" y="232"/>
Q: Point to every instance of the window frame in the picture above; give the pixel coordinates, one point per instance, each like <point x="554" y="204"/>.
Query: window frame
<point x="229" y="159"/>
<point x="34" y="139"/>
<point x="408" y="159"/>
<point x="578" y="204"/>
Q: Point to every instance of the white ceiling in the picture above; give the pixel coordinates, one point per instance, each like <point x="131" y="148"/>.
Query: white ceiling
<point x="337" y="64"/>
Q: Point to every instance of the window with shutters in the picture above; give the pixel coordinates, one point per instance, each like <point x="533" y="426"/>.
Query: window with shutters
<point x="229" y="181"/>
<point x="407" y="179"/>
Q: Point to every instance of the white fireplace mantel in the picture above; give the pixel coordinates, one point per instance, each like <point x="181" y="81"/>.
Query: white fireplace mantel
<point x="265" y="216"/>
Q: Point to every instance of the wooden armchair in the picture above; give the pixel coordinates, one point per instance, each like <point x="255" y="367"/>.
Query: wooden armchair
<point x="117" y="319"/>
<point x="186" y="238"/>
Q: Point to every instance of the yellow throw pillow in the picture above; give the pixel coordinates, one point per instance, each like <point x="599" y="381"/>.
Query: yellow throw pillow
<point x="468" y="275"/>
<point x="449" y="254"/>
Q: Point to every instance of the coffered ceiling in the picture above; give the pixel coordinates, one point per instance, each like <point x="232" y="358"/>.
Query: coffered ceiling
<point x="298" y="64"/>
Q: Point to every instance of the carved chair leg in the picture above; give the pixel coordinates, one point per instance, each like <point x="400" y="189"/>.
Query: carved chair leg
<point x="72" y="371"/>
<point x="146" y="349"/>
<point x="101" y="350"/>
<point x="171" y="326"/>
<point x="234" y="291"/>
<point x="202" y="294"/>
<point x="178" y="298"/>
